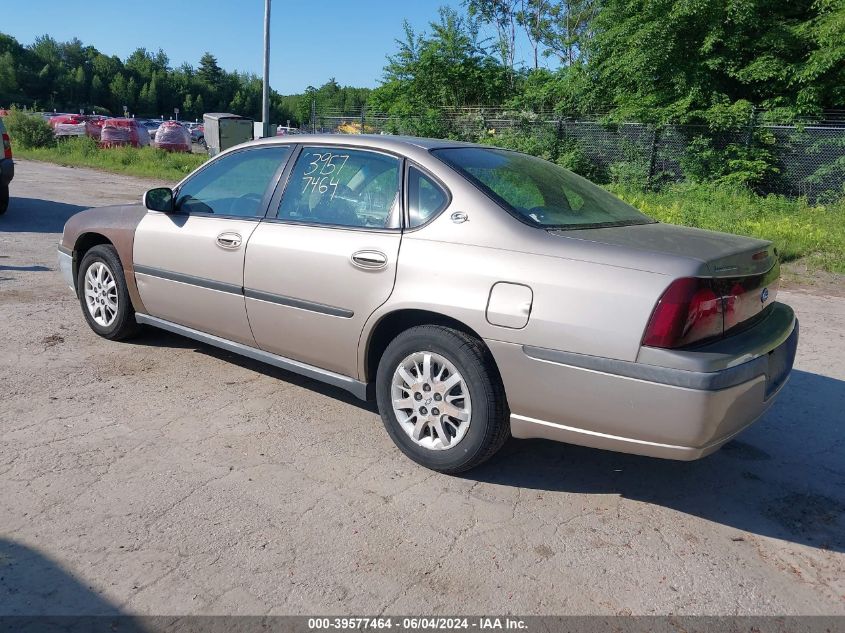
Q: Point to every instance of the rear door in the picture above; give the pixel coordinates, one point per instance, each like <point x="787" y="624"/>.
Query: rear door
<point x="325" y="258"/>
<point x="189" y="264"/>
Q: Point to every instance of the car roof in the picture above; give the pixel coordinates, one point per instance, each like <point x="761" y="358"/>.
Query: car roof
<point x="373" y="141"/>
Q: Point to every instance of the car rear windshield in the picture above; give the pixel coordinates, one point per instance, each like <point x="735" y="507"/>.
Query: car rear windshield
<point x="538" y="192"/>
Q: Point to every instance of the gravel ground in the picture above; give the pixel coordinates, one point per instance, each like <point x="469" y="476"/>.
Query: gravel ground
<point x="166" y="477"/>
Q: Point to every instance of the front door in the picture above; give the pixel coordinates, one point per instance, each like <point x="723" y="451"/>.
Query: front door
<point x="322" y="263"/>
<point x="189" y="264"/>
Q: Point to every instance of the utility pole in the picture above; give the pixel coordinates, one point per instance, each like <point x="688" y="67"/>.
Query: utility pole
<point x="265" y="110"/>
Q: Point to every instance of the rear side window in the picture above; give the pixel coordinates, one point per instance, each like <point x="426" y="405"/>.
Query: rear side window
<point x="233" y="185"/>
<point x="425" y="198"/>
<point x="538" y="192"/>
<point x="339" y="186"/>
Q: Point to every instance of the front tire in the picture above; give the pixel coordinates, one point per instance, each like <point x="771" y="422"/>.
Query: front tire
<point x="104" y="296"/>
<point x="441" y="398"/>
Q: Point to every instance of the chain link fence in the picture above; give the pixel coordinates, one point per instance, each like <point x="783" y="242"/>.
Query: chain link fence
<point x="807" y="158"/>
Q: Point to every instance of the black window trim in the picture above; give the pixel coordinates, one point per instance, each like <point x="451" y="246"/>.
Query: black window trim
<point x="265" y="199"/>
<point x="406" y="219"/>
<point x="284" y="182"/>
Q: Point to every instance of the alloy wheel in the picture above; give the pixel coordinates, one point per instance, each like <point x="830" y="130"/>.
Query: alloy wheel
<point x="431" y="400"/>
<point x="101" y="294"/>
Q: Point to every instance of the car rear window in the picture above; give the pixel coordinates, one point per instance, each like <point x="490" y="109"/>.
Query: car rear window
<point x="538" y="192"/>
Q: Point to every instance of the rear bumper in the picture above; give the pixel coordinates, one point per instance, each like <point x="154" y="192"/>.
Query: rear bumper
<point x="645" y="409"/>
<point x="7" y="171"/>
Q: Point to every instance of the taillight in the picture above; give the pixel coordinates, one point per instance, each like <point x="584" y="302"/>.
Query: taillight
<point x="7" y="146"/>
<point x="694" y="308"/>
<point x="690" y="310"/>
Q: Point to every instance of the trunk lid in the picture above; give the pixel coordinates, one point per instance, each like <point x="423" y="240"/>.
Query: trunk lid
<point x="726" y="255"/>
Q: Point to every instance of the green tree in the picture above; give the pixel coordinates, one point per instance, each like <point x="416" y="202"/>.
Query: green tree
<point x="8" y="77"/>
<point x="119" y="94"/>
<point x="209" y="71"/>
<point x="821" y="79"/>
<point x="448" y="68"/>
<point x="689" y="60"/>
<point x="567" y="29"/>
<point x="98" y="91"/>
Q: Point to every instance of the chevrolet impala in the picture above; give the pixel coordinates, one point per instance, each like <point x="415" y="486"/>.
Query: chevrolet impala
<point x="475" y="293"/>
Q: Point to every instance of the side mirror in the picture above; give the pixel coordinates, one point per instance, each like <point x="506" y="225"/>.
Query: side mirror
<point x="159" y="199"/>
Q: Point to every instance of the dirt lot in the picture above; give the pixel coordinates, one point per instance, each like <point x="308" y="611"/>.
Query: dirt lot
<point x="163" y="476"/>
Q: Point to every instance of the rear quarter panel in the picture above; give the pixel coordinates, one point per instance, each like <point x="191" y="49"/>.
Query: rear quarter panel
<point x="577" y="306"/>
<point x="587" y="298"/>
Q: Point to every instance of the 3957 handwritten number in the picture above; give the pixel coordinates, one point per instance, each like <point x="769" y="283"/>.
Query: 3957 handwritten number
<point x="318" y="176"/>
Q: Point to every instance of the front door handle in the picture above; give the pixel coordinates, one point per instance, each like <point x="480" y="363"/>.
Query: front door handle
<point x="371" y="260"/>
<point x="229" y="241"/>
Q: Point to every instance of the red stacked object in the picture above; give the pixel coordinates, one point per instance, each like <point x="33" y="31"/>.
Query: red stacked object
<point x="118" y="132"/>
<point x="173" y="137"/>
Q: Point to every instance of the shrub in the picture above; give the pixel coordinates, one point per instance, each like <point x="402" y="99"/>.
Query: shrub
<point x="574" y="159"/>
<point x="28" y="130"/>
<point x="539" y="142"/>
<point x="734" y="164"/>
<point x="799" y="229"/>
<point x="630" y="174"/>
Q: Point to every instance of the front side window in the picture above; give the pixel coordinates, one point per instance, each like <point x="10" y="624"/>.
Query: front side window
<point x="342" y="187"/>
<point x="425" y="198"/>
<point x="233" y="185"/>
<point x="538" y="192"/>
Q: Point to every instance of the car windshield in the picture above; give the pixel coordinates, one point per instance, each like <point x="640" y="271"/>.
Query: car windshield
<point x="538" y="192"/>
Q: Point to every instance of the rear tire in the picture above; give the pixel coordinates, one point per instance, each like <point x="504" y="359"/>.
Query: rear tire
<point x="4" y="199"/>
<point x="104" y="296"/>
<point x="424" y="415"/>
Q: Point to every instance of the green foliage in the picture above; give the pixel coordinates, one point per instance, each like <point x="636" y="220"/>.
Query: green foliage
<point x="693" y="61"/>
<point x="449" y="68"/>
<point x="27" y="130"/>
<point x="630" y="174"/>
<point x="527" y="139"/>
<point x="814" y="233"/>
<point x="734" y="164"/>
<point x="574" y="159"/>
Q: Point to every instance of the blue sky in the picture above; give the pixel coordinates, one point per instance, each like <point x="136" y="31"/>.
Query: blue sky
<point x="311" y="41"/>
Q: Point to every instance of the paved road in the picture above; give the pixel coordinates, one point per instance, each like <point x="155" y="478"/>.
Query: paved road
<point x="163" y="476"/>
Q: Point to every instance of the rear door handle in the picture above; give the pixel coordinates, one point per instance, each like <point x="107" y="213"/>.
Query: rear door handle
<point x="229" y="241"/>
<point x="371" y="260"/>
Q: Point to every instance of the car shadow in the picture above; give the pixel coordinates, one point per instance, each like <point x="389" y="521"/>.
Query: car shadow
<point x="783" y="477"/>
<point x="32" y="215"/>
<point x="159" y="338"/>
<point x="26" y="269"/>
<point x="37" y="594"/>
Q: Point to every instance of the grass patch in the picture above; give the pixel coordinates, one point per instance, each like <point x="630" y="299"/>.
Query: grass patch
<point x="812" y="233"/>
<point x="145" y="162"/>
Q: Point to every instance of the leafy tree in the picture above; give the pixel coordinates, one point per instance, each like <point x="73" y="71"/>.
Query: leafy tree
<point x="120" y="95"/>
<point x="449" y="68"/>
<point x="684" y="59"/>
<point x="502" y="15"/>
<point x="8" y="76"/>
<point x="98" y="91"/>
<point x="568" y="28"/>
<point x="821" y="79"/>
<point x="209" y="71"/>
